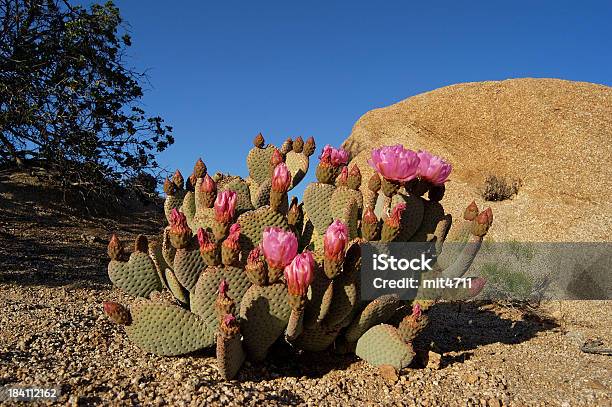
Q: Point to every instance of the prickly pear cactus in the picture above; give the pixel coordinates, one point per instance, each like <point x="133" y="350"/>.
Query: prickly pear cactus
<point x="246" y="268"/>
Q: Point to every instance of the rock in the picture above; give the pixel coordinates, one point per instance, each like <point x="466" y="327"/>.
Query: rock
<point x="494" y="403"/>
<point x="434" y="360"/>
<point x="470" y="378"/>
<point x="388" y="373"/>
<point x="546" y="132"/>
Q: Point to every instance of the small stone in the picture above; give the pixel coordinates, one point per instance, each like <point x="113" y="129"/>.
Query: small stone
<point x="434" y="360"/>
<point x="388" y="373"/>
<point x="471" y="378"/>
<point x="494" y="403"/>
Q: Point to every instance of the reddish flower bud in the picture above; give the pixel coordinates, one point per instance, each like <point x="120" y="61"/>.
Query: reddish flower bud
<point x="206" y="241"/>
<point x="230" y="321"/>
<point x="117" y="313"/>
<point x="281" y="178"/>
<point x="169" y="187"/>
<point x="416" y="310"/>
<point x="254" y="258"/>
<point x="259" y="141"/>
<point x="178" y="179"/>
<point x="369" y="216"/>
<point x="298" y="145"/>
<point x="489" y="213"/>
<point x="115" y="248"/>
<point x="342" y="179"/>
<point x="234" y="235"/>
<point x="374" y="183"/>
<point x="471" y="211"/>
<point x="334" y="157"/>
<point x="395" y="218"/>
<point x="309" y="146"/>
<point x="199" y="169"/>
<point x="223" y="288"/>
<point x="276" y="158"/>
<point x="178" y="222"/>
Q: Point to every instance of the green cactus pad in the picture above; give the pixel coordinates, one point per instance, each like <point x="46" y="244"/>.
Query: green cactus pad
<point x="188" y="264"/>
<point x="297" y="164"/>
<point x="172" y="202"/>
<point x="188" y="207"/>
<point x="205" y="294"/>
<point x="412" y="217"/>
<point x="433" y="214"/>
<point x="261" y="193"/>
<point x="243" y="193"/>
<point x="167" y="330"/>
<point x="204" y="219"/>
<point x="258" y="162"/>
<point x="253" y="223"/>
<point x="178" y="291"/>
<point x="264" y="314"/>
<point x="317" y="197"/>
<point x="230" y="356"/>
<point x="343" y="195"/>
<point x="319" y="298"/>
<point x="349" y="214"/>
<point x="316" y="338"/>
<point x="156" y="255"/>
<point x="168" y="251"/>
<point x="344" y="299"/>
<point x="376" y="312"/>
<point x="382" y="345"/>
<point x="137" y="276"/>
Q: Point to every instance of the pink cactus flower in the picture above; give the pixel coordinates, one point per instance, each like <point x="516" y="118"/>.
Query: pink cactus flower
<point x="205" y="240"/>
<point x="433" y="168"/>
<point x="225" y="204"/>
<point x="178" y="222"/>
<point x="396" y="215"/>
<point x="333" y="156"/>
<point x="281" y="178"/>
<point x="300" y="273"/>
<point x="335" y="240"/>
<point x="208" y="184"/>
<point x="395" y="163"/>
<point x="279" y="247"/>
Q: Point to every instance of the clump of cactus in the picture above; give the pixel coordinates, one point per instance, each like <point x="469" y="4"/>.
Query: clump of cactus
<point x="246" y="267"/>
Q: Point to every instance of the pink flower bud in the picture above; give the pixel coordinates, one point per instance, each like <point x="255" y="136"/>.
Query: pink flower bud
<point x="395" y="163"/>
<point x="223" y="288"/>
<point x="471" y="211"/>
<point x="254" y="257"/>
<point x="232" y="239"/>
<point x="178" y="222"/>
<point x="205" y="240"/>
<point x="229" y="321"/>
<point x="416" y="310"/>
<point x="276" y="158"/>
<point x="476" y="286"/>
<point x="343" y="177"/>
<point x="333" y="157"/>
<point x="279" y="247"/>
<point x="178" y="179"/>
<point x="489" y="213"/>
<point x="433" y="168"/>
<point x="300" y="273"/>
<point x="225" y="204"/>
<point x="355" y="172"/>
<point x="395" y="218"/>
<point x="369" y="216"/>
<point x="335" y="240"/>
<point x="208" y="184"/>
<point x="281" y="178"/>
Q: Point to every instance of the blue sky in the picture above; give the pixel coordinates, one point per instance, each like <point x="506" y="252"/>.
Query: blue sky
<point x="222" y="71"/>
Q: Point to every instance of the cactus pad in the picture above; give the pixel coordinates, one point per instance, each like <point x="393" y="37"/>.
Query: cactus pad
<point x="188" y="264"/>
<point x="412" y="217"/>
<point x="188" y="207"/>
<point x="156" y="255"/>
<point x="205" y="294"/>
<point x="264" y="314"/>
<point x="382" y="345"/>
<point x="178" y="291"/>
<point x="167" y="330"/>
<point x="316" y="338"/>
<point x="260" y="195"/>
<point x="230" y="356"/>
<point x="253" y="223"/>
<point x="297" y="164"/>
<point x="137" y="276"/>
<point x="317" y="197"/>
<point x="376" y="312"/>
<point x="173" y="202"/>
<point x="243" y="193"/>
<point x="258" y="162"/>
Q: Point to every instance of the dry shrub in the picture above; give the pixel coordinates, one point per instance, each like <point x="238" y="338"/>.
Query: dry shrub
<point x="499" y="188"/>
